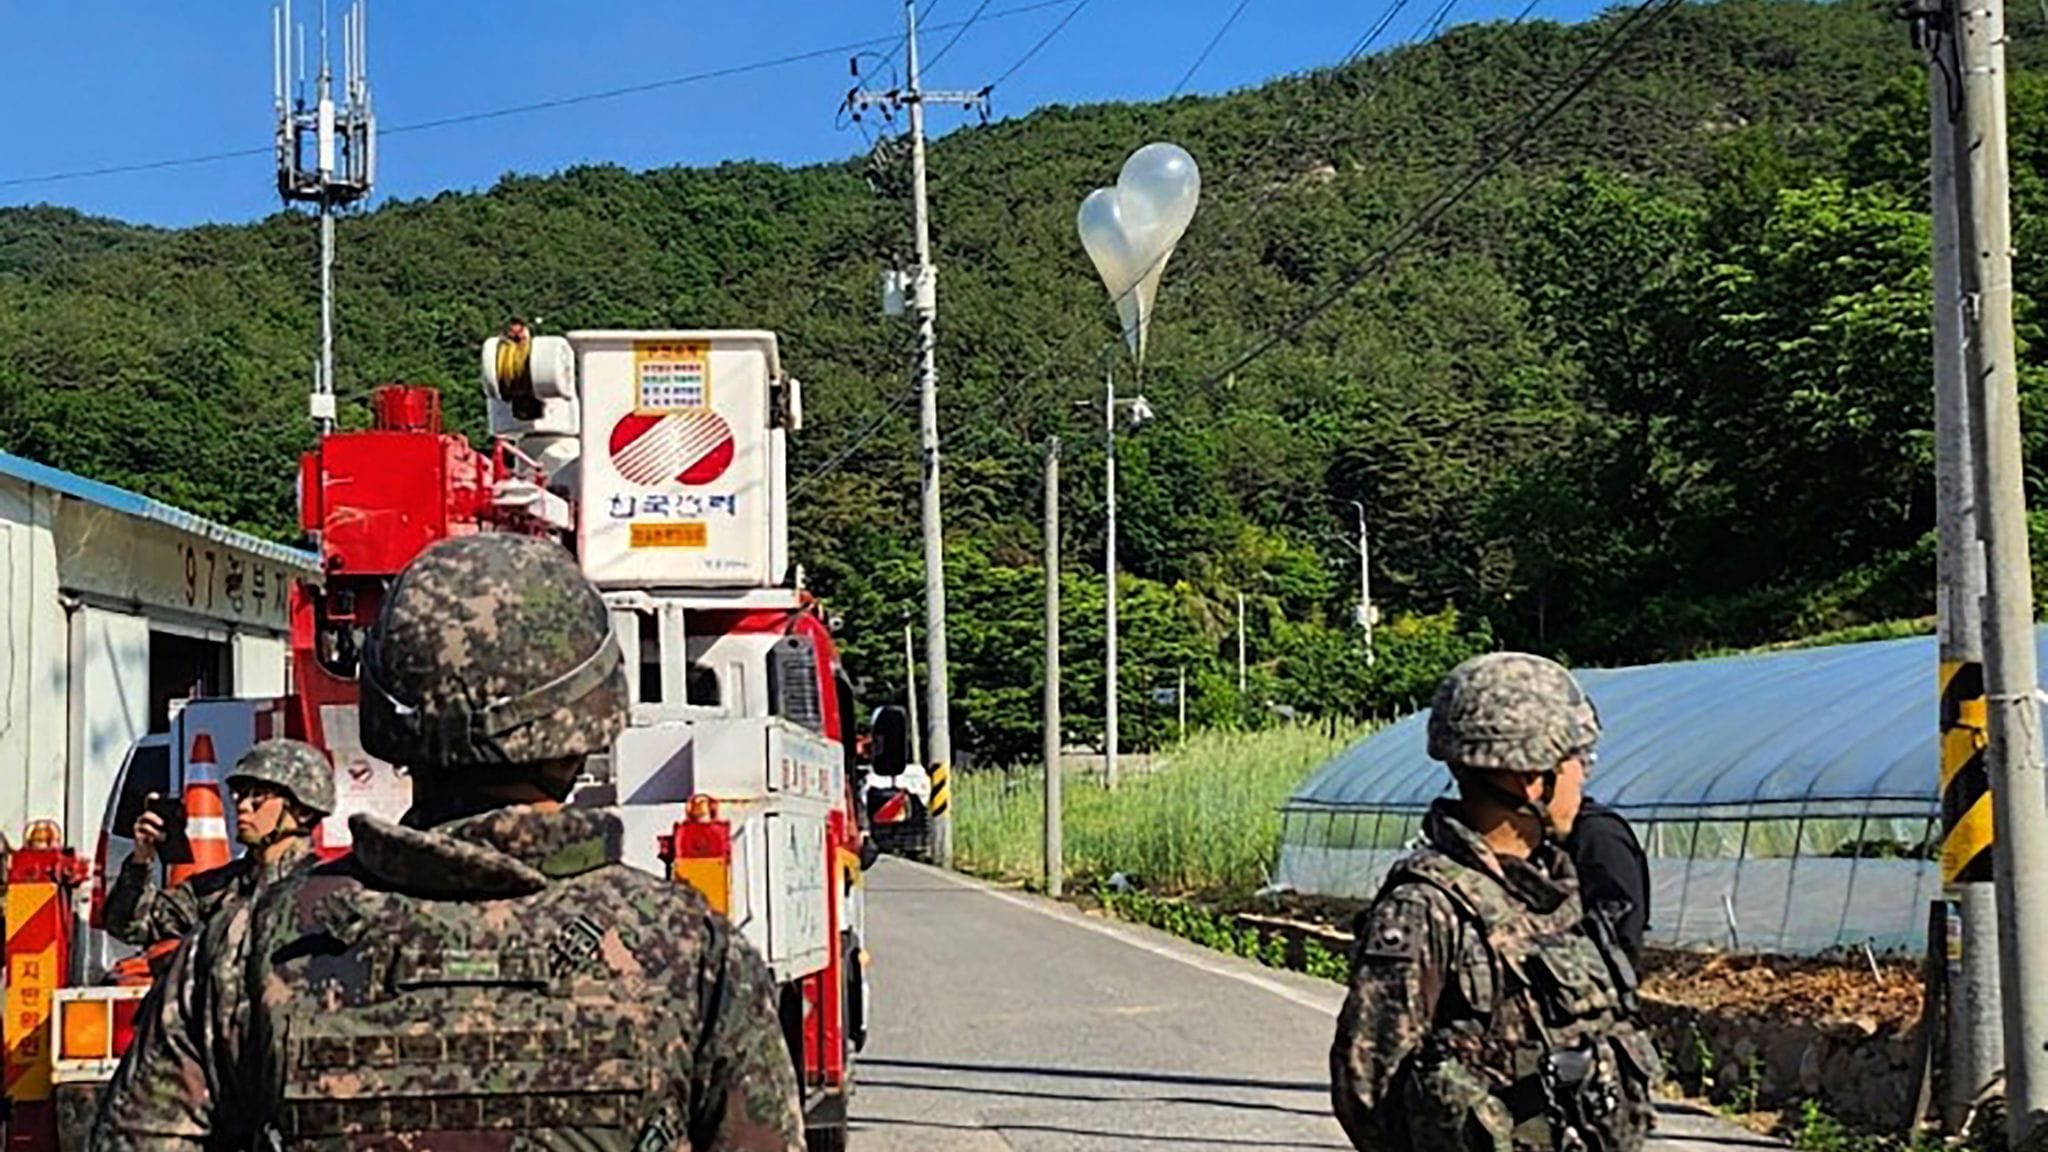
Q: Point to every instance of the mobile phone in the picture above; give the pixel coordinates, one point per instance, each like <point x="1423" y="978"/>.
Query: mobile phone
<point x="176" y="847"/>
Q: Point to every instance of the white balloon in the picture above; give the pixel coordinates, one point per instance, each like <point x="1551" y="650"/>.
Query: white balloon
<point x="1130" y="231"/>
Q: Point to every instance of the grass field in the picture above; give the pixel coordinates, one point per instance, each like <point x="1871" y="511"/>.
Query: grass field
<point x="1203" y="817"/>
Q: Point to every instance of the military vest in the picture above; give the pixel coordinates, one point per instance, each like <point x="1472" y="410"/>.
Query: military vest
<point x="1534" y="1046"/>
<point x="499" y="1022"/>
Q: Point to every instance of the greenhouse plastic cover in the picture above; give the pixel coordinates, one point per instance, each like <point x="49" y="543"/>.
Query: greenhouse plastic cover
<point x="1848" y="730"/>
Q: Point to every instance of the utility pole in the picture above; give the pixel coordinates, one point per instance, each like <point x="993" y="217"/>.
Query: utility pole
<point x="1109" y="717"/>
<point x="1180" y="697"/>
<point x="342" y="141"/>
<point x="910" y="693"/>
<point x="1240" y="645"/>
<point x="1364" y="582"/>
<point x="1975" y="1043"/>
<point x="925" y="297"/>
<point x="2019" y="799"/>
<point x="1055" y="853"/>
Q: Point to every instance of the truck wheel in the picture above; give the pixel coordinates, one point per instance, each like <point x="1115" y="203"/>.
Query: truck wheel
<point x="856" y="996"/>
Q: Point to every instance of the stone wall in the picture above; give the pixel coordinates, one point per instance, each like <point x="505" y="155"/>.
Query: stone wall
<point x="1859" y="1071"/>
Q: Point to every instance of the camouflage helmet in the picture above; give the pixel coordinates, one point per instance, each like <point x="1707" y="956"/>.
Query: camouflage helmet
<point x="491" y="650"/>
<point x="1513" y="712"/>
<point x="294" y="767"/>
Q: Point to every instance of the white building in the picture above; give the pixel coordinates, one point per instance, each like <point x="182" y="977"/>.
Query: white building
<point x="113" y="606"/>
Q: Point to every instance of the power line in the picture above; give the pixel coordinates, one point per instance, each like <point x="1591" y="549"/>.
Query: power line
<point x="1620" y="37"/>
<point x="1042" y="42"/>
<point x="860" y="439"/>
<point x="1598" y="58"/>
<point x="1560" y="95"/>
<point x="957" y="34"/>
<point x="146" y="166"/>
<point x="1272" y="195"/>
<point x="1018" y="386"/>
<point x="1213" y="42"/>
<point x="923" y="18"/>
<point x="535" y="106"/>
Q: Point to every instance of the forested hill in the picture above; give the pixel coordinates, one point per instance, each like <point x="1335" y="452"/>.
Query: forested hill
<point x="1660" y="384"/>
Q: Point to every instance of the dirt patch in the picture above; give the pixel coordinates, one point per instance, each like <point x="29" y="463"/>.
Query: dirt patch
<point x="1753" y="1034"/>
<point x="1883" y="997"/>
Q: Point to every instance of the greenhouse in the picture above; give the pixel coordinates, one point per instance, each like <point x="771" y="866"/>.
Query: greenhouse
<point x="1788" y="801"/>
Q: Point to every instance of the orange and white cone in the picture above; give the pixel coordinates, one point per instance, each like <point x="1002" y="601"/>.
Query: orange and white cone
<point x="206" y="817"/>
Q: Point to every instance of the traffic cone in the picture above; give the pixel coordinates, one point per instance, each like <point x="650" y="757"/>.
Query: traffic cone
<point x="206" y="817"/>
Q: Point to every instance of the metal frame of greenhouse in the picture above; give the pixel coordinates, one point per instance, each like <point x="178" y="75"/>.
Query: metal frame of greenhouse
<point x="1789" y="801"/>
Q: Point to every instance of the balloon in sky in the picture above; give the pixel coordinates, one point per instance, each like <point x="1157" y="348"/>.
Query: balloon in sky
<point x="1130" y="230"/>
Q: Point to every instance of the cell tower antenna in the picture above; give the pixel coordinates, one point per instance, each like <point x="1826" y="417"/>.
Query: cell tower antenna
<point x="326" y="154"/>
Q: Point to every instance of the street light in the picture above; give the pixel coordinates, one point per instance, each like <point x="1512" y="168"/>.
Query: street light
<point x="1365" y="612"/>
<point x="1137" y="412"/>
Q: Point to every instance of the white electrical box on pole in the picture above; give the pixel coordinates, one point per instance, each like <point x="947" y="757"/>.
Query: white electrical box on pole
<point x="924" y="301"/>
<point x="2017" y="775"/>
<point x="326" y="153"/>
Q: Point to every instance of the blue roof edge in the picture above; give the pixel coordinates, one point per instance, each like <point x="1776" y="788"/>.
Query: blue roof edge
<point x="121" y="500"/>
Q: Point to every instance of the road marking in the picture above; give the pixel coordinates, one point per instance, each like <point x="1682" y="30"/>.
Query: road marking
<point x="1182" y="954"/>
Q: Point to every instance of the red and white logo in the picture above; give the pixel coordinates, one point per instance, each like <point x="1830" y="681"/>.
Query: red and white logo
<point x="693" y="446"/>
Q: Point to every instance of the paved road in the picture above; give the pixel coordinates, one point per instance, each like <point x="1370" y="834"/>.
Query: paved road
<point x="1008" y="1022"/>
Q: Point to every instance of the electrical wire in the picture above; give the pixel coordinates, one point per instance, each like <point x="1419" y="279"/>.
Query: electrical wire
<point x="1624" y="33"/>
<point x="1019" y="386"/>
<point x="1035" y="49"/>
<point x="1571" y="86"/>
<point x="957" y="34"/>
<point x="860" y="440"/>
<point x="834" y="51"/>
<point x="1358" y="48"/>
<point x="1211" y="47"/>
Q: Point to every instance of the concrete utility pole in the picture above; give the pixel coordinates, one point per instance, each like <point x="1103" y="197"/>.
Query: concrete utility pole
<point x="1109" y="717"/>
<point x="925" y="298"/>
<point x="1241" y="664"/>
<point x="1364" y="582"/>
<point x="1180" y="697"/>
<point x="1975" y="1043"/>
<point x="1055" y="853"/>
<point x="2019" y="781"/>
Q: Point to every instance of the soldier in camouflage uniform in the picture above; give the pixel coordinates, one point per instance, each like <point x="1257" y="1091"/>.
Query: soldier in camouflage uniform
<point x="1486" y="1013"/>
<point x="487" y="974"/>
<point x="282" y="790"/>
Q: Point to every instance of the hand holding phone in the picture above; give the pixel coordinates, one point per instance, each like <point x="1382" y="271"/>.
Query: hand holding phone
<point x="160" y="829"/>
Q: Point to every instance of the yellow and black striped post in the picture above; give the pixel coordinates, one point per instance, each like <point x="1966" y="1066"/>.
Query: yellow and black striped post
<point x="942" y="791"/>
<point x="1965" y="781"/>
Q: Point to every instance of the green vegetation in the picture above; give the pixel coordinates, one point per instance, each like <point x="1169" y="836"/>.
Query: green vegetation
<point x="1204" y="818"/>
<point x="1221" y="932"/>
<point x="1659" y="386"/>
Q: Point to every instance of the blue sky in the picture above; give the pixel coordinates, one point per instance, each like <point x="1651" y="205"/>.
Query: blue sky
<point x="100" y="83"/>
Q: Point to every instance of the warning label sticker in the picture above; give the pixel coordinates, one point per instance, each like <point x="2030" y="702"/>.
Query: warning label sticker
<point x="671" y="375"/>
<point x="690" y="534"/>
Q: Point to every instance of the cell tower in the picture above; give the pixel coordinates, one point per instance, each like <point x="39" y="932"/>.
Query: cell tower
<point x="326" y="153"/>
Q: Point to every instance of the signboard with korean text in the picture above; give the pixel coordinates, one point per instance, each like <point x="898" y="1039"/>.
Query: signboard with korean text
<point x="678" y="485"/>
<point x="123" y="558"/>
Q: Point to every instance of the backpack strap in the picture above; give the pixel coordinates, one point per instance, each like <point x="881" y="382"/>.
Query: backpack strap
<point x="1430" y="869"/>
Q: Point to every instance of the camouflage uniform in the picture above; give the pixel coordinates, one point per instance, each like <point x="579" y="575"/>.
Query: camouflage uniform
<point x="486" y="978"/>
<point x="1486" y="1014"/>
<point x="140" y="911"/>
